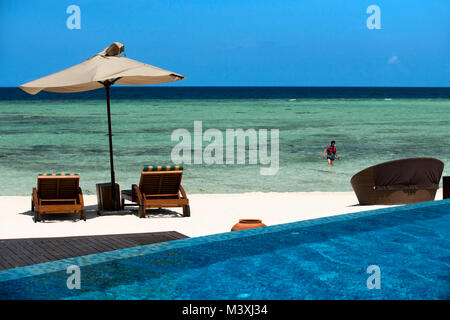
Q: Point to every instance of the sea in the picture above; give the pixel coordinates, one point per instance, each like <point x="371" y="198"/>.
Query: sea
<point x="68" y="133"/>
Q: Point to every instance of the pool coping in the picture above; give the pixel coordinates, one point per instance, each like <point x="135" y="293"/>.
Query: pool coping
<point x="98" y="258"/>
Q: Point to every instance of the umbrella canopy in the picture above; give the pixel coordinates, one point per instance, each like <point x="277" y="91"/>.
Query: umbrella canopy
<point x="107" y="65"/>
<point x="103" y="70"/>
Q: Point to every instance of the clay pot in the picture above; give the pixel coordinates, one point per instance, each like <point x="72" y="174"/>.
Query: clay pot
<point x="247" y="224"/>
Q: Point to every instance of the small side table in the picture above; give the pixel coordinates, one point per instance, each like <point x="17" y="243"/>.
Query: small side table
<point x="446" y="187"/>
<point x="104" y="197"/>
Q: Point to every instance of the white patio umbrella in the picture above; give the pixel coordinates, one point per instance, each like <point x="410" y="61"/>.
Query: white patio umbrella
<point x="103" y="70"/>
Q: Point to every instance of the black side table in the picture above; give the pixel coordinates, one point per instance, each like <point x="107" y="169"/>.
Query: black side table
<point x="104" y="197"/>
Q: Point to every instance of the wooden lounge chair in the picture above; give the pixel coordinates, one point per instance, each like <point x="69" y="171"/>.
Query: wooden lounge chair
<point x="57" y="193"/>
<point x="159" y="186"/>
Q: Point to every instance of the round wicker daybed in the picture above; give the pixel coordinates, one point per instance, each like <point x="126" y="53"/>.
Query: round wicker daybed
<point x="398" y="182"/>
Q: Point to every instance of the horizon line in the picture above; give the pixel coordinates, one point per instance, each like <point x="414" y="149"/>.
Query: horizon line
<point x="246" y="86"/>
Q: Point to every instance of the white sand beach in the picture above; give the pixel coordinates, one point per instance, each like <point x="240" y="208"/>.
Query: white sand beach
<point x="210" y="214"/>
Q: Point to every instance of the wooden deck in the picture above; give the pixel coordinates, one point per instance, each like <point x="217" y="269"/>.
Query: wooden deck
<point x="23" y="252"/>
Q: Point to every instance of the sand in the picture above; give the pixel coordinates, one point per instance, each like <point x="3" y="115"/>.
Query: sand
<point x="210" y="214"/>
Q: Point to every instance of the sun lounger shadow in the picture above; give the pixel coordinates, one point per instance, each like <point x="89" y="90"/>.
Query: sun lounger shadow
<point x="90" y="212"/>
<point x="153" y="213"/>
<point x="163" y="213"/>
<point x="354" y="205"/>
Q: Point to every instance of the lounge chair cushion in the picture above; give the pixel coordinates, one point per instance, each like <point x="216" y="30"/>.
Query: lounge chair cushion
<point x="162" y="168"/>
<point x="57" y="174"/>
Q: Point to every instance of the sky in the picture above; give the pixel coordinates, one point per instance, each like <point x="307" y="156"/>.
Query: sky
<point x="236" y="42"/>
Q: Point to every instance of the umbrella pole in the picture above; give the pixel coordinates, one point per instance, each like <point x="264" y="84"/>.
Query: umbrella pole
<point x="111" y="160"/>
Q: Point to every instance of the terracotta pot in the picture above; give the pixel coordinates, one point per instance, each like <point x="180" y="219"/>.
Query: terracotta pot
<point x="247" y="224"/>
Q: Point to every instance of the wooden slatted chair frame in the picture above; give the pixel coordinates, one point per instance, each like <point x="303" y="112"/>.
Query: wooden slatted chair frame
<point x="57" y="193"/>
<point x="159" y="187"/>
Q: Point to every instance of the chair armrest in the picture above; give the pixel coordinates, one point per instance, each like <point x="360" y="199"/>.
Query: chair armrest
<point x="80" y="197"/>
<point x="183" y="193"/>
<point x="35" y="198"/>
<point x="138" y="193"/>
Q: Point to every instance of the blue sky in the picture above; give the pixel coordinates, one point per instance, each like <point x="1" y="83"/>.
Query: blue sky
<point x="237" y="42"/>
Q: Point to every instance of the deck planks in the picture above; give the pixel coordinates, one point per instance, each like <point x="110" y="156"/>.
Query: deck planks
<point x="23" y="252"/>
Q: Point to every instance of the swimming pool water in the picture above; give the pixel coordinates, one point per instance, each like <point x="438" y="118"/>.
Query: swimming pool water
<point x="323" y="258"/>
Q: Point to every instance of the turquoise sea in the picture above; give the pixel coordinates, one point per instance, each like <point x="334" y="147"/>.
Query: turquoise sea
<point x="48" y="133"/>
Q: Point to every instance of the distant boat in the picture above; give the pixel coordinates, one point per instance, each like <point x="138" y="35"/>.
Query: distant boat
<point x="292" y="100"/>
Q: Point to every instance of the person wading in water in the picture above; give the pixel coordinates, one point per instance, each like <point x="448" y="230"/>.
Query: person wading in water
<point x="331" y="153"/>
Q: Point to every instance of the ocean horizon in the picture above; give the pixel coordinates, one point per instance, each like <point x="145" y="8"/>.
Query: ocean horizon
<point x="55" y="132"/>
<point x="163" y="91"/>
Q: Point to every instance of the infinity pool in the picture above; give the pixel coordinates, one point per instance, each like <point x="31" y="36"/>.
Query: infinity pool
<point x="326" y="258"/>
